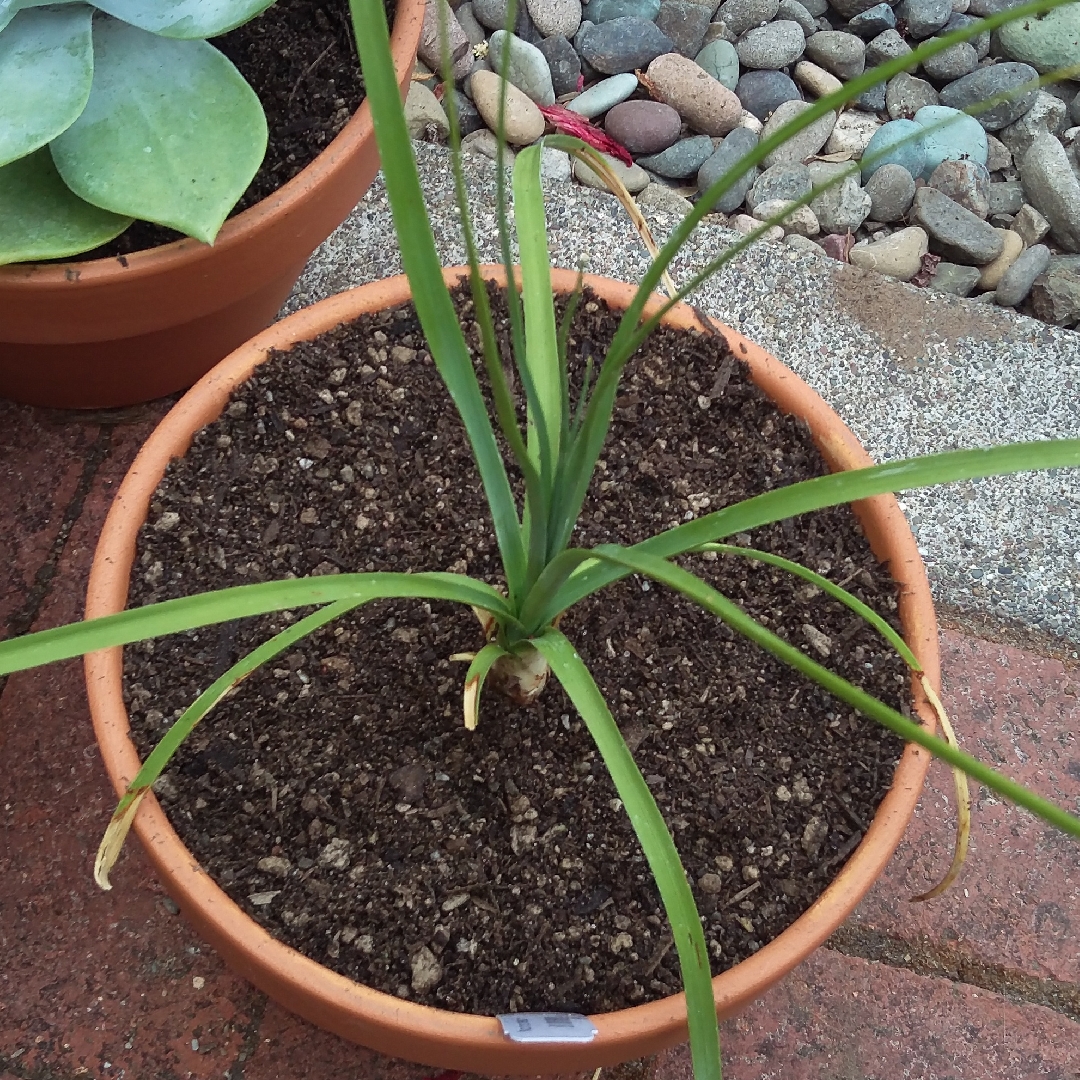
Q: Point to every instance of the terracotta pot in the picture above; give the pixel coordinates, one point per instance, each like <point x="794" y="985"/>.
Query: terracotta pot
<point x="117" y="331"/>
<point x="417" y="1032"/>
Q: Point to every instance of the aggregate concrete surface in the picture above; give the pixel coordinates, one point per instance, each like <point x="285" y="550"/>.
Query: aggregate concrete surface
<point x="910" y="371"/>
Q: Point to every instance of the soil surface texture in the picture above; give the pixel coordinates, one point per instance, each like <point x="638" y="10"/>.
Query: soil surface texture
<point x="336" y="795"/>
<point x="299" y="58"/>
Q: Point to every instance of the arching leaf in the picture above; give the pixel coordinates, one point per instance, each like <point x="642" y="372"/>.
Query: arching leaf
<point x="171" y="133"/>
<point x="185" y="18"/>
<point x="46" y="67"/>
<point x="43" y="218"/>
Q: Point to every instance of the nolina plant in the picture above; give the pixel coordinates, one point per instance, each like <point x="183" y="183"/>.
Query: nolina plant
<point x="556" y="454"/>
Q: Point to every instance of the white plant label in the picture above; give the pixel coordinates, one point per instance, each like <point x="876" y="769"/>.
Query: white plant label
<point x="547" y="1027"/>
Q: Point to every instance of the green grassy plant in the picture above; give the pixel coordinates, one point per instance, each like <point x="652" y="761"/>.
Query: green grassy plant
<point x="556" y="450"/>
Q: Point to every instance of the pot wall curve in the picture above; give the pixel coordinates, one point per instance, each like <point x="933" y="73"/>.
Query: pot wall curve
<point x="117" y="331"/>
<point x="417" y="1032"/>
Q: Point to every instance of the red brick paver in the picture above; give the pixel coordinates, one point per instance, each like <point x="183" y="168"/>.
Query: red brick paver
<point x="113" y="985"/>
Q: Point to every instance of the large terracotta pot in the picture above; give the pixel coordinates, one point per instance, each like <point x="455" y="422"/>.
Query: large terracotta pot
<point x="402" y="1028"/>
<point x="118" y="331"/>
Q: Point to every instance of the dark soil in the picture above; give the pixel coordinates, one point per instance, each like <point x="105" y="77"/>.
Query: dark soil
<point x="300" y="59"/>
<point x="336" y="795"/>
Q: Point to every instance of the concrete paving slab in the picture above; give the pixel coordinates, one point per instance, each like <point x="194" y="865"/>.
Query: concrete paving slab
<point x="1016" y="903"/>
<point x="841" y="1018"/>
<point x="910" y="371"/>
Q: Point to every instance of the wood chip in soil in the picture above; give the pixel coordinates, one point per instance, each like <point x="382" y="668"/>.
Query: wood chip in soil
<point x="336" y="795"/>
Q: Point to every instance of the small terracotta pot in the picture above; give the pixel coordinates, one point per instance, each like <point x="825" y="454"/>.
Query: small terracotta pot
<point x="110" y="332"/>
<point x="418" y="1032"/>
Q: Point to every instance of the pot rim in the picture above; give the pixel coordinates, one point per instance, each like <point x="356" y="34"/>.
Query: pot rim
<point x="167" y="258"/>
<point x="419" y="1032"/>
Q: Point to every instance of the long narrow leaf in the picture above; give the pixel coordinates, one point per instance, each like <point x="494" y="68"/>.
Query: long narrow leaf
<point x="703" y="594"/>
<point x="431" y="297"/>
<point x="162" y="754"/>
<point x="656" y="843"/>
<point x="872" y="618"/>
<point x="820" y="492"/>
<point x="541" y="342"/>
<point x="224" y="605"/>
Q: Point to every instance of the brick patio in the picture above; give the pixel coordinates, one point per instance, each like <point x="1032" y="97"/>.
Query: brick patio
<point x="982" y="983"/>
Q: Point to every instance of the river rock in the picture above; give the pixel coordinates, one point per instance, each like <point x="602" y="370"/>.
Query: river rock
<point x="1006" y="197"/>
<point x="494" y="14"/>
<point x="643" y="127"/>
<point x="805" y="143"/>
<point x="634" y="177"/>
<point x="952" y="63"/>
<point x="742" y="15"/>
<point x="745" y="224"/>
<point x="622" y="45"/>
<point x="965" y="182"/>
<point x="816" y="81"/>
<point x="871" y="100"/>
<point x="681" y="160"/>
<point x="779" y="183"/>
<point x="852" y="134"/>
<point x="706" y="105"/>
<point x="469" y="23"/>
<point x="761" y="92"/>
<point x="483" y="141"/>
<point x="905" y="95"/>
<point x="1046" y="42"/>
<point x="891" y="190"/>
<point x="685" y="22"/>
<point x="949" y="135"/>
<point x="429" y="46"/>
<point x="600" y="11"/>
<point x="899" y="142"/>
<point x="961" y="236"/>
<point x="1029" y="225"/>
<point x="732" y="150"/>
<point x="888" y="45"/>
<point x="555" y="16"/>
<point x="526" y="66"/>
<point x="991" y="274"/>
<point x="1046" y="116"/>
<point x="563" y="63"/>
<point x="924" y="18"/>
<point x="772" y="46"/>
<point x="873" y="21"/>
<point x="793" y="11"/>
<point x="842" y="54"/>
<point x="1074" y="109"/>
<point x="980" y="42"/>
<point x="998" y="80"/>
<point x="1053" y="189"/>
<point x="848" y="9"/>
<point x="721" y="61"/>
<point x="797" y="219"/>
<point x="604" y="95"/>
<point x="1055" y="294"/>
<point x="899" y="255"/>
<point x="842" y="207"/>
<point x="1017" y="280"/>
<point x="954" y="279"/>
<point x="524" y="121"/>
<point x="424" y="114"/>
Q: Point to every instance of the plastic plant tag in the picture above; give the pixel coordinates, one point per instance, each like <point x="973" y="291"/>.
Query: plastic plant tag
<point x="547" y="1027"/>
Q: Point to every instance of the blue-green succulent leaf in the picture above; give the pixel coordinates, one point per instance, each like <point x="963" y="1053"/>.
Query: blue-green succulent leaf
<point x="43" y="218"/>
<point x="185" y="18"/>
<point x="46" y="68"/>
<point x="171" y="132"/>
